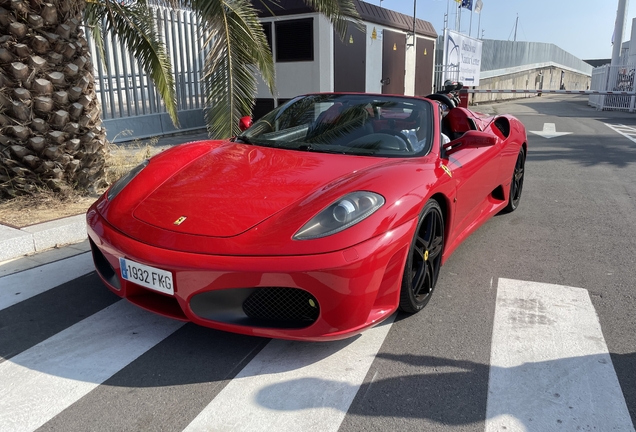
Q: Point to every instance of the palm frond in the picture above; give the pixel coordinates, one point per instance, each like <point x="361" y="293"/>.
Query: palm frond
<point x="134" y="25"/>
<point x="236" y="48"/>
<point x="93" y="16"/>
<point x="338" y="12"/>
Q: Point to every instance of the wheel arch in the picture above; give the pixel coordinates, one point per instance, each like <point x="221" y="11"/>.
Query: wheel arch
<point x="444" y="204"/>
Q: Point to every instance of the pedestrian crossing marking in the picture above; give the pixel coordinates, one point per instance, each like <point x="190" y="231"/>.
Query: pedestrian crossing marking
<point x="626" y="131"/>
<point x="20" y="286"/>
<point x="294" y="386"/>
<point x="550" y="368"/>
<point x="42" y="381"/>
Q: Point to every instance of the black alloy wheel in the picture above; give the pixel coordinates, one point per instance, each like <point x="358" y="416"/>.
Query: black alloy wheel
<point x="516" y="185"/>
<point x="424" y="259"/>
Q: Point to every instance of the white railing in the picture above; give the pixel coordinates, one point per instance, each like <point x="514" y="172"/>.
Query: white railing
<point x="444" y="72"/>
<point x="612" y="80"/>
<point x="126" y="91"/>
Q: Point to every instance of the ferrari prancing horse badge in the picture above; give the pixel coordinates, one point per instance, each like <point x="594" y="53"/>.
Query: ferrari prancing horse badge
<point x="180" y="220"/>
<point x="447" y="170"/>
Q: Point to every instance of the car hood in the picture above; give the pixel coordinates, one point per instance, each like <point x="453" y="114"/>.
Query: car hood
<point x="234" y="187"/>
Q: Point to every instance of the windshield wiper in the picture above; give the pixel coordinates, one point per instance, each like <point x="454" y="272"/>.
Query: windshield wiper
<point x="344" y="151"/>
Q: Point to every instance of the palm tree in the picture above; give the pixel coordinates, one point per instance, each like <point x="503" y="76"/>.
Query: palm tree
<point x="237" y="43"/>
<point x="51" y="135"/>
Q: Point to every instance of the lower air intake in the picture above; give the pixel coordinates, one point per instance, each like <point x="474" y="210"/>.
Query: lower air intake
<point x="285" y="305"/>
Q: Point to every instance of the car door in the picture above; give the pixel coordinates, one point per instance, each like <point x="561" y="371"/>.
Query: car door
<point x="475" y="171"/>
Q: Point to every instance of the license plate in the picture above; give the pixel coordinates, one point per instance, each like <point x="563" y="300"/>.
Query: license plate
<point x="149" y="277"/>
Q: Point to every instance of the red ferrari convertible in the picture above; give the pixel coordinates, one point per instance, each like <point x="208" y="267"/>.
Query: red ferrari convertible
<point x="317" y="222"/>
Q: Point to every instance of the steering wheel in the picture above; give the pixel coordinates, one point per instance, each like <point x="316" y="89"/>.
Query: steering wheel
<point x="407" y="144"/>
<point x="443" y="99"/>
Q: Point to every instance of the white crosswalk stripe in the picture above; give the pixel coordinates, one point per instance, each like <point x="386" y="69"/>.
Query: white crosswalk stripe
<point x="550" y="368"/>
<point x="628" y="132"/>
<point x="44" y="380"/>
<point x="291" y="386"/>
<point x="20" y="286"/>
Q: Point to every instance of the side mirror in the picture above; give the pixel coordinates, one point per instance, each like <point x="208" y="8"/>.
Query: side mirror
<point x="245" y="123"/>
<point x="471" y="139"/>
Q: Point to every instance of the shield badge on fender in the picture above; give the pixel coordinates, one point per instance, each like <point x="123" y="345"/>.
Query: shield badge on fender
<point x="180" y="220"/>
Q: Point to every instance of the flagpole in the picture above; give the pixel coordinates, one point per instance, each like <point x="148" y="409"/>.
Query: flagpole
<point x="477" y="8"/>
<point x="457" y="18"/>
<point x="478" y="25"/>
<point x="470" y="27"/>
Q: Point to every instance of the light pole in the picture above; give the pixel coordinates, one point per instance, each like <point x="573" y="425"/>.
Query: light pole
<point x="412" y="43"/>
<point x="618" y="32"/>
<point x="414" y="10"/>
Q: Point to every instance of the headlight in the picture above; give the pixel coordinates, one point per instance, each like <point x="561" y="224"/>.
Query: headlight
<point x="347" y="211"/>
<point x="122" y="182"/>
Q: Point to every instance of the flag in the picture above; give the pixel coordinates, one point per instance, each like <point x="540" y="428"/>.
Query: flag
<point x="478" y="5"/>
<point x="458" y="1"/>
<point x="468" y="4"/>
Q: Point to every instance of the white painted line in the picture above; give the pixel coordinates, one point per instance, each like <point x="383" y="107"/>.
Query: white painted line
<point x="622" y="128"/>
<point x="18" y="287"/>
<point x="293" y="386"/>
<point x="41" y="382"/>
<point x="619" y="129"/>
<point x="550" y="368"/>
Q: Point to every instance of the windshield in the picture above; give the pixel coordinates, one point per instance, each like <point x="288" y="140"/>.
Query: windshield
<point x="372" y="125"/>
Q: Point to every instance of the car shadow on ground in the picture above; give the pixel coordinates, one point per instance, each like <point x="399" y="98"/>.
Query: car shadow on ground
<point x="446" y="393"/>
<point x="442" y="390"/>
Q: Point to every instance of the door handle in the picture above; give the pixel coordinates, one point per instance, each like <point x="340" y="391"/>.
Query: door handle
<point x="385" y="81"/>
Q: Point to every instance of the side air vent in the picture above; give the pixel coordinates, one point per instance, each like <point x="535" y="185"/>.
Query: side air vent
<point x="503" y="125"/>
<point x="103" y="267"/>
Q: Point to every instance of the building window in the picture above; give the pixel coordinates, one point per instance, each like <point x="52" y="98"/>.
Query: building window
<point x="267" y="29"/>
<point x="295" y="40"/>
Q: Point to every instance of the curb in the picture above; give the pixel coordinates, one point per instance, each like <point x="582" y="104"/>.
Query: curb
<point x="15" y="242"/>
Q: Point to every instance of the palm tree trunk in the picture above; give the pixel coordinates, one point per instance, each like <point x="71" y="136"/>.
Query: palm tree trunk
<point x="50" y="127"/>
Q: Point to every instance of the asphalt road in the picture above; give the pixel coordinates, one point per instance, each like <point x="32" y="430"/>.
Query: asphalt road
<point x="75" y="358"/>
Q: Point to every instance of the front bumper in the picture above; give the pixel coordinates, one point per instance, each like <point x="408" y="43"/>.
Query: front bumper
<point x="347" y="291"/>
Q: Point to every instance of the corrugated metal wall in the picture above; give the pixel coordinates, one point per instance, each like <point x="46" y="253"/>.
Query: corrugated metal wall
<point x="498" y="54"/>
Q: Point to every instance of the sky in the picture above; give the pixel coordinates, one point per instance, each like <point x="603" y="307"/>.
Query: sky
<point x="583" y="28"/>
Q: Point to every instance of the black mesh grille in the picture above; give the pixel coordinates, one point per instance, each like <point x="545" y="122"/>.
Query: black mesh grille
<point x="282" y="304"/>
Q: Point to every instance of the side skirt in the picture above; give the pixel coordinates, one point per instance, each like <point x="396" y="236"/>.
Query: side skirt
<point x="490" y="207"/>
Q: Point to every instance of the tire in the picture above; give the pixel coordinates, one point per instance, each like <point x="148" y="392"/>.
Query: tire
<point x="424" y="259"/>
<point x="516" y="186"/>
